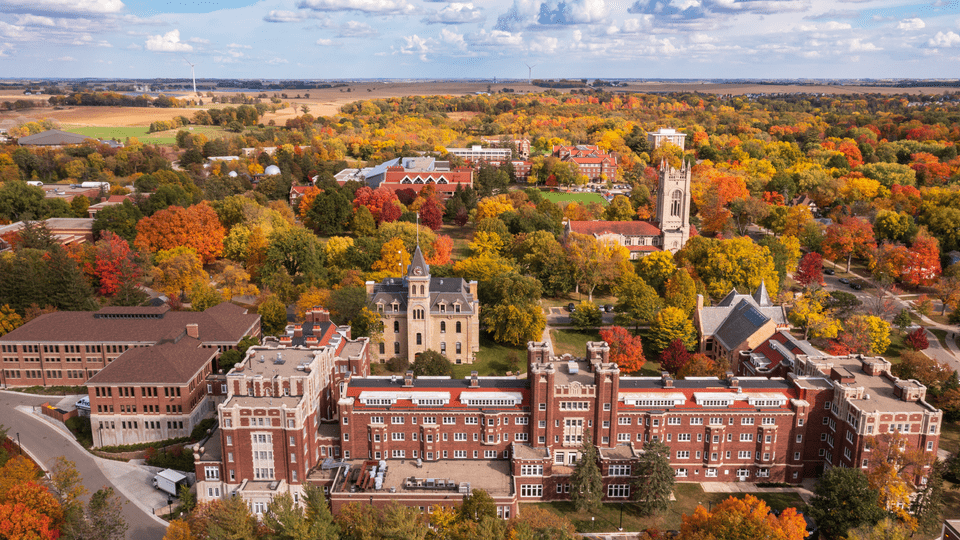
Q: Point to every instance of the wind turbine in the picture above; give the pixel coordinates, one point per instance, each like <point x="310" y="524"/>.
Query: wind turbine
<point x="530" y="73"/>
<point x="193" y="73"/>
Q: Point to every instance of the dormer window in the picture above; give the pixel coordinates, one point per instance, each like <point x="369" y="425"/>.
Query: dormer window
<point x="456" y="308"/>
<point x="443" y="308"/>
<point x="380" y="308"/>
<point x="396" y="307"/>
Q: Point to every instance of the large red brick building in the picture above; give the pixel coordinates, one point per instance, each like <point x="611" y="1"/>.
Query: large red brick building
<point x="412" y="173"/>
<point x="426" y="441"/>
<point x="590" y="160"/>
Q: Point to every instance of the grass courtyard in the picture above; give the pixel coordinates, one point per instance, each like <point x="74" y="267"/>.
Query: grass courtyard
<point x="583" y="198"/>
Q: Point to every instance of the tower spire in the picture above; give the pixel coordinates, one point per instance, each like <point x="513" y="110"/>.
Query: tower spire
<point x="418" y="228"/>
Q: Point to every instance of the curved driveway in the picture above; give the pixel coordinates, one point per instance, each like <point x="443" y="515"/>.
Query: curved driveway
<point x="45" y="443"/>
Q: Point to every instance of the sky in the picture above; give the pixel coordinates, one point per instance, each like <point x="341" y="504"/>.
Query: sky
<point x="416" y="39"/>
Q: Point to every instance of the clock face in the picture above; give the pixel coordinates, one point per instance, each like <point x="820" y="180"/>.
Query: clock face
<point x="417" y="271"/>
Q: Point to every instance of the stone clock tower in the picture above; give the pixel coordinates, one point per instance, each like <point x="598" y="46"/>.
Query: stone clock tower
<point x="673" y="206"/>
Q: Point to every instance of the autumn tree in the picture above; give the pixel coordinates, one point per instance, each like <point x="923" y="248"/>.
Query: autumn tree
<point x="917" y="340"/>
<point x="224" y="518"/>
<point x="746" y="517"/>
<point x="626" y="350"/>
<point x="177" y="270"/>
<point x="536" y="522"/>
<point x="393" y="257"/>
<point x="811" y="312"/>
<point x="512" y="312"/>
<point x="848" y="238"/>
<point x="586" y="483"/>
<point x="10" y="320"/>
<point x="894" y="466"/>
<point x="922" y="265"/>
<point x="29" y="511"/>
<point x="670" y="324"/>
<point x="674" y="357"/>
<point x="701" y="365"/>
<point x="114" y="264"/>
<point x="936" y="376"/>
<point x="810" y="270"/>
<point x="723" y="265"/>
<point x="586" y="315"/>
<point x="655" y="269"/>
<point x="196" y="227"/>
<point x="595" y="263"/>
<point x="865" y="334"/>
<point x="681" y="291"/>
<point x="653" y="478"/>
<point x="67" y="486"/>
<point x="103" y="517"/>
<point x="273" y="315"/>
<point x="295" y="251"/>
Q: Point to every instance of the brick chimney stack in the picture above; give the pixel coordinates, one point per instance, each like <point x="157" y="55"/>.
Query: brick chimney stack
<point x="193" y="330"/>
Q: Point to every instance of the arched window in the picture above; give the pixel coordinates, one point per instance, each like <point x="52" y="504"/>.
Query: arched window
<point x="458" y="327"/>
<point x="396" y="327"/>
<point x="421" y="289"/>
<point x="443" y="326"/>
<point x="396" y="347"/>
<point x="675" y="204"/>
<point x="419" y="338"/>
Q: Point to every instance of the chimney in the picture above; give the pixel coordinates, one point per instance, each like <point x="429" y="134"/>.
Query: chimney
<point x="193" y="330"/>
<point x="734" y="381"/>
<point x="474" y="380"/>
<point x="297" y="331"/>
<point x="699" y="302"/>
<point x="320" y="315"/>
<point x="408" y="379"/>
<point x="667" y="379"/>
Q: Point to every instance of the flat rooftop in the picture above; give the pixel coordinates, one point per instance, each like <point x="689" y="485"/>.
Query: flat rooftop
<point x="491" y="475"/>
<point x="565" y="376"/>
<point x="879" y="388"/>
<point x="270" y="362"/>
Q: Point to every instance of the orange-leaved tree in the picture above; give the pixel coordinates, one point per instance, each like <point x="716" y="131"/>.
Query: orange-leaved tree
<point x="626" y="350"/>
<point x="197" y="227"/>
<point x="748" y="517"/>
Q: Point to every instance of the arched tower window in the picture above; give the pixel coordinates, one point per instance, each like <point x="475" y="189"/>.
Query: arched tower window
<point x="421" y="289"/>
<point x="675" y="203"/>
<point x="396" y="327"/>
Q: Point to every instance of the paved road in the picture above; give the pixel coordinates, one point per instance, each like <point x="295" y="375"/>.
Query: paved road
<point x="46" y="443"/>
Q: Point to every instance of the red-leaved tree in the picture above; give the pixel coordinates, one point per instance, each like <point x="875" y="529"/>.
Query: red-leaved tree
<point x="442" y="249"/>
<point x="922" y="266"/>
<point x="114" y="264"/>
<point x="431" y="213"/>
<point x="674" y="357"/>
<point x="917" y="340"/>
<point x="626" y="350"/>
<point x="810" y="269"/>
<point x="378" y="201"/>
<point x="197" y="227"/>
<point x="852" y="236"/>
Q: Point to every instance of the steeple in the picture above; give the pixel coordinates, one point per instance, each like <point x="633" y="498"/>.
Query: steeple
<point x="761" y="296"/>
<point x="418" y="265"/>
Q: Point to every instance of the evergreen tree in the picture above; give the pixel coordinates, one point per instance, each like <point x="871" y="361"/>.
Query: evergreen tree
<point x="928" y="504"/>
<point x="318" y="514"/>
<point x="65" y="288"/>
<point x="477" y="506"/>
<point x="654" y="478"/>
<point x="586" y="483"/>
<point x="844" y="500"/>
<point x="104" y="521"/>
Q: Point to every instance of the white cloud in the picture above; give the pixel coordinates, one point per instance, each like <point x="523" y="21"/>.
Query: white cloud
<point x="356" y="29"/>
<point x="276" y="61"/>
<point x="5" y="49"/>
<point x="66" y="59"/>
<point x="545" y="45"/>
<point x="417" y="45"/>
<point x="856" y="45"/>
<point x="239" y="46"/>
<point x="366" y="6"/>
<point x="452" y="38"/>
<point x="280" y="16"/>
<point x="198" y="40"/>
<point x="497" y="38"/>
<point x="63" y="7"/>
<point x="824" y="27"/>
<point x="633" y="25"/>
<point x="322" y="41"/>
<point x="915" y="23"/>
<point x="944" y="40"/>
<point x="11" y="31"/>
<point x="35" y="20"/>
<point x="169" y="42"/>
<point x="134" y="47"/>
<point x="455" y="13"/>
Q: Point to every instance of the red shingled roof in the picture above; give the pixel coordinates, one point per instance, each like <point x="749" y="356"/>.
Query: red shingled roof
<point x="628" y="228"/>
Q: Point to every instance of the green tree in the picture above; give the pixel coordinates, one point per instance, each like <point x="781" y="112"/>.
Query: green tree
<point x="330" y="213"/>
<point x="928" y="503"/>
<point x="587" y="315"/>
<point x="514" y="324"/>
<point x="619" y="209"/>
<point x="203" y="296"/>
<point x="67" y="486"/>
<point x="655" y="269"/>
<point x="670" y="324"/>
<point x="844" y="500"/>
<point x="903" y="320"/>
<point x="273" y="316"/>
<point x="362" y="223"/>
<point x="885" y="529"/>
<point x="79" y="205"/>
<point x="225" y="519"/>
<point x="540" y="254"/>
<point x="346" y="303"/>
<point x="297" y="251"/>
<point x="654" y="478"/>
<point x="637" y="302"/>
<point x="431" y="363"/>
<point x="20" y="201"/>
<point x="285" y="519"/>
<point x="322" y="526"/>
<point x="120" y="219"/>
<point x="478" y="505"/>
<point x="586" y="483"/>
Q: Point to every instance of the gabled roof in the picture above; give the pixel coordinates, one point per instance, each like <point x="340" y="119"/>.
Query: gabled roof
<point x="167" y="363"/>
<point x="713" y="317"/>
<point x="626" y="228"/>
<point x="740" y="324"/>
<point x="53" y="137"/>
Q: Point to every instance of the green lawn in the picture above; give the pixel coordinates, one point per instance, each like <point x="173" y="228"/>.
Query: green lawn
<point x="492" y="359"/>
<point x="950" y="437"/>
<point x="688" y="495"/>
<point x="557" y="197"/>
<point x="142" y="133"/>
<point x="572" y="342"/>
<point x="941" y="336"/>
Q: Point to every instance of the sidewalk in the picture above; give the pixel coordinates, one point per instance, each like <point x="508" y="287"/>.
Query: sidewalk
<point x="805" y="491"/>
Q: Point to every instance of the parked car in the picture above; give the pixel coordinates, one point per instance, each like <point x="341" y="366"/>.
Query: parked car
<point x="829" y="271"/>
<point x="856" y="286"/>
<point x="845" y="281"/>
<point x="608" y="308"/>
<point x="571" y="307"/>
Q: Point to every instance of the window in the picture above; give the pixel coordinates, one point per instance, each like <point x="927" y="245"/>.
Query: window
<point x="397" y="436"/>
<point x="458" y="322"/>
<point x="460" y="454"/>
<point x="396" y="419"/>
<point x="696" y="421"/>
<point x="746" y="437"/>
<point x="623" y="437"/>
<point x="796" y="456"/>
<point x="398" y="454"/>
<point x="531" y="490"/>
<point x="769" y="421"/>
<point x="674" y="421"/>
<point x="458" y="348"/>
<point x="623" y="421"/>
<point x="746" y="421"/>
<point x="711" y="473"/>
<point x="929" y="446"/>
<point x="531" y="470"/>
<point x="618" y="490"/>
<point x="683" y="437"/>
<point x="683" y="454"/>
<point x="799" y="438"/>
<point x="396" y="327"/>
<point x="396" y="347"/>
<point x="619" y="470"/>
<point x="743" y="473"/>
<point x="472" y="420"/>
<point x="419" y="338"/>
<point x="675" y="203"/>
<point x="211" y="473"/>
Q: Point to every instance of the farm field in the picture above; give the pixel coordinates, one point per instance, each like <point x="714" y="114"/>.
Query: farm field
<point x="142" y="133"/>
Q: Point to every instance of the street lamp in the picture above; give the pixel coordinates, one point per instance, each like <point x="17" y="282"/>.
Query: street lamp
<point x="620" y="528"/>
<point x="19" y="446"/>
